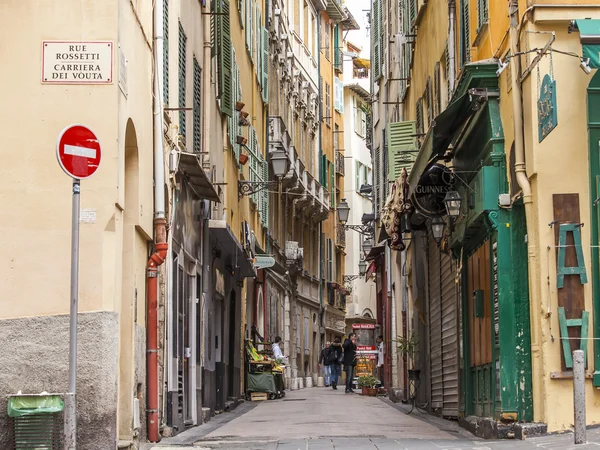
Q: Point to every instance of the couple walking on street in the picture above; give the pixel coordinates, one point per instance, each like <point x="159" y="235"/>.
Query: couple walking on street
<point x="336" y="354"/>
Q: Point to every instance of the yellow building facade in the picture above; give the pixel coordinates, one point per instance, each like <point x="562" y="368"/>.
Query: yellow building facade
<point x="459" y="90"/>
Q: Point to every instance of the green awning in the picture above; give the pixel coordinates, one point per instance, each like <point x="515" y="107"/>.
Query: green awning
<point x="448" y="123"/>
<point x="440" y="135"/>
<point x="589" y="34"/>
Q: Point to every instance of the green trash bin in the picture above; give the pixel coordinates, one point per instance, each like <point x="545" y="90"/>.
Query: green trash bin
<point x="36" y="422"/>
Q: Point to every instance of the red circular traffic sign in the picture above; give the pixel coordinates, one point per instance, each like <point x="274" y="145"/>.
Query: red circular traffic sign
<point x="78" y="151"/>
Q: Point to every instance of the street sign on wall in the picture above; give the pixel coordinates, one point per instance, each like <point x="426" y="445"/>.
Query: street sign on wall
<point x="71" y="62"/>
<point x="78" y="151"/>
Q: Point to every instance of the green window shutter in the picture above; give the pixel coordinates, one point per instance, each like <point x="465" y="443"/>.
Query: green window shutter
<point x="402" y="147"/>
<point x="242" y="12"/>
<point x="375" y="28"/>
<point x="337" y="60"/>
<point x="357" y="169"/>
<point x="482" y="13"/>
<point x="332" y="184"/>
<point x="465" y="33"/>
<point x="248" y="23"/>
<point x="265" y="65"/>
<point x="182" y="80"/>
<point x="264" y="210"/>
<point x="377" y="179"/>
<point x="226" y="63"/>
<point x="214" y="27"/>
<point x="197" y="107"/>
<point x="166" y="52"/>
<point x="324" y="165"/>
<point x="258" y="40"/>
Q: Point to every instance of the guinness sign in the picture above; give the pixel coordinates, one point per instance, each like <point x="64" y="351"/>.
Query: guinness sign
<point x="431" y="190"/>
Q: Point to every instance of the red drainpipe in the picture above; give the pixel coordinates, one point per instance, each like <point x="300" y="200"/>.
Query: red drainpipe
<point x="152" y="328"/>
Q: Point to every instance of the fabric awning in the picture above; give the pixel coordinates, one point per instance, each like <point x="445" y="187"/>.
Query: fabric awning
<point x="231" y="249"/>
<point x="376" y="251"/>
<point x="189" y="165"/>
<point x="589" y="34"/>
<point x="362" y="63"/>
<point x="440" y="136"/>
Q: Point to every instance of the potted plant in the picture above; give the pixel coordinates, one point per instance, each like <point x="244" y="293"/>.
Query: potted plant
<point x="367" y="383"/>
<point x="409" y="346"/>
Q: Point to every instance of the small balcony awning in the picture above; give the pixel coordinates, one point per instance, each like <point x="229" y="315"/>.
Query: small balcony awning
<point x="349" y="23"/>
<point x="376" y="251"/>
<point x="231" y="249"/>
<point x="189" y="166"/>
<point x="589" y="34"/>
<point x="362" y="63"/>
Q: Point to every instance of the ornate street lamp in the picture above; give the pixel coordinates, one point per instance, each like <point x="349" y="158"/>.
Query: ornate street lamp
<point x="343" y="211"/>
<point x="362" y="267"/>
<point x="437" y="228"/>
<point x="279" y="164"/>
<point x="367" y="246"/>
<point x="453" y="202"/>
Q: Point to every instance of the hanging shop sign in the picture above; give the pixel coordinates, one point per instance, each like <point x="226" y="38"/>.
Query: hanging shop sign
<point x="431" y="190"/>
<point x="547" y="111"/>
<point x="264" y="262"/>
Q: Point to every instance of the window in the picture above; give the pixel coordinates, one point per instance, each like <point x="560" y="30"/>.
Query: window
<point x="182" y="80"/>
<point x="330" y="274"/>
<point x="327" y="39"/>
<point x="166" y="52"/>
<point x="338" y="95"/>
<point x="363" y="175"/>
<point x="197" y="106"/>
<point x="360" y="119"/>
<point x="465" y="41"/>
<point x="327" y="104"/>
<point x="482" y="13"/>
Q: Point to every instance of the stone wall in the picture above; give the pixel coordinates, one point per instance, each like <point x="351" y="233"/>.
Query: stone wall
<point x="35" y="358"/>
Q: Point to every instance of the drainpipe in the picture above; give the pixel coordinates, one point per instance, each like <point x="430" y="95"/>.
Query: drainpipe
<point x="320" y="166"/>
<point x="206" y="83"/>
<point x="451" y="43"/>
<point x="525" y="186"/>
<point x="160" y="232"/>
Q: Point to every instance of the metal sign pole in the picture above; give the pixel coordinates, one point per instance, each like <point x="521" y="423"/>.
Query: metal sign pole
<point x="70" y="398"/>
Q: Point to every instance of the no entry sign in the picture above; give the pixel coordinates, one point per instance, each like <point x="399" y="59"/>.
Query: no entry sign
<point x="78" y="151"/>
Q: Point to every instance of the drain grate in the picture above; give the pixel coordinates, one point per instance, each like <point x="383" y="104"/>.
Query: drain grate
<point x="294" y="399"/>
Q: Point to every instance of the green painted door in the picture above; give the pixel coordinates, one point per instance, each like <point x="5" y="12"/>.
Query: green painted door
<point x="593" y="109"/>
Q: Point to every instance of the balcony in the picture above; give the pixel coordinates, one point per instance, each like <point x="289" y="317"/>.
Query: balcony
<point x="322" y="211"/>
<point x="339" y="163"/>
<point x="336" y="10"/>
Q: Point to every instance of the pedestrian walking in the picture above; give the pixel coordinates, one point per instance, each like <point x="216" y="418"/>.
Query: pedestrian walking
<point x="349" y="360"/>
<point x="325" y="364"/>
<point x="336" y="357"/>
<point x="380" y="357"/>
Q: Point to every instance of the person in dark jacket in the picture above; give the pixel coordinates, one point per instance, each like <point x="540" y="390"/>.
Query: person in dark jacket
<point x="335" y="353"/>
<point x="324" y="362"/>
<point x="349" y="360"/>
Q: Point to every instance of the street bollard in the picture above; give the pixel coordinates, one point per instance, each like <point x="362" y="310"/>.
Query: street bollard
<point x="580" y="436"/>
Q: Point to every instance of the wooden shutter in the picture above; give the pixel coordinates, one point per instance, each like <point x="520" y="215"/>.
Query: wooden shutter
<point x="264" y="201"/>
<point x="332" y="183"/>
<point x="429" y="101"/>
<point x="166" y="52"/>
<point x="376" y="30"/>
<point x="182" y="80"/>
<point x="378" y="180"/>
<point x="197" y="105"/>
<point x="265" y="65"/>
<point x="357" y="168"/>
<point x="402" y="147"/>
<point x="258" y="41"/>
<point x="324" y="167"/>
<point x="226" y="63"/>
<point x="482" y="13"/>
<point x="466" y="33"/>
<point x="248" y="23"/>
<point x="437" y="90"/>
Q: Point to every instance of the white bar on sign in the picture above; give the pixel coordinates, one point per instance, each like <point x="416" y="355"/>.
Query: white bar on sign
<point x="80" y="151"/>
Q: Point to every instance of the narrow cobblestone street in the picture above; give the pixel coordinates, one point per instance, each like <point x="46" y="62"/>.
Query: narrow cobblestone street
<point x="322" y="419"/>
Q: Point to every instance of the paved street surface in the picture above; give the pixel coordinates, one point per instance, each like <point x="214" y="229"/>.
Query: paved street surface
<point x="323" y="419"/>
